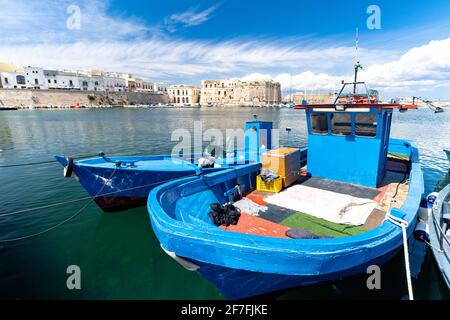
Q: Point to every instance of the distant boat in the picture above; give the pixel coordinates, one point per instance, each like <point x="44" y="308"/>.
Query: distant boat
<point x="8" y="108"/>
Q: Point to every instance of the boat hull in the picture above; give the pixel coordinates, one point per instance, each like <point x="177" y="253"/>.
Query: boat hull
<point x="116" y="190"/>
<point x="237" y="284"/>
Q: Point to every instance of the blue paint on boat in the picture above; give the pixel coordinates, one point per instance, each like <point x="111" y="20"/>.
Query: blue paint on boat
<point x="350" y="158"/>
<point x="120" y="183"/>
<point x="117" y="188"/>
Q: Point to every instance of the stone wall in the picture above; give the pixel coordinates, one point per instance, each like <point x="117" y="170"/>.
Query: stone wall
<point x="18" y="98"/>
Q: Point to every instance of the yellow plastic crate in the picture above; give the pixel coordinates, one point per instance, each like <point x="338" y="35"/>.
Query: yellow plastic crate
<point x="274" y="186"/>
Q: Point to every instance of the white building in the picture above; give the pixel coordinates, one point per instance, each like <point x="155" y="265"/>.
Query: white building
<point x="35" y="78"/>
<point x="12" y="77"/>
<point x="114" y="83"/>
<point x="160" y="87"/>
<point x="182" y="94"/>
<point x="91" y="83"/>
<point x="61" y="80"/>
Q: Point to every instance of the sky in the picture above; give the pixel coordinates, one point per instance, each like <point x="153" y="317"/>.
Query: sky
<point x="305" y="45"/>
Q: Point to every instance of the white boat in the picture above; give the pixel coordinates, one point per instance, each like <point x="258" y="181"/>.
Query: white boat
<point x="439" y="222"/>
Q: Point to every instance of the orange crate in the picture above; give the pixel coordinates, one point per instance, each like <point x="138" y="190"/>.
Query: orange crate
<point x="285" y="162"/>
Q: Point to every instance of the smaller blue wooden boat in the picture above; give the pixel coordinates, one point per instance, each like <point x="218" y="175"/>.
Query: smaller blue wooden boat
<point x="120" y="183"/>
<point x="439" y="227"/>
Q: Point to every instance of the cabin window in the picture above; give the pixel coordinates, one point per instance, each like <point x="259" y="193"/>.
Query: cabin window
<point x="319" y="123"/>
<point x="365" y="124"/>
<point x="341" y="124"/>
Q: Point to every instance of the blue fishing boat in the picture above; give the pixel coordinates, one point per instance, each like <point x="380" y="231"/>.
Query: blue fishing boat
<point x="120" y="183"/>
<point x="354" y="205"/>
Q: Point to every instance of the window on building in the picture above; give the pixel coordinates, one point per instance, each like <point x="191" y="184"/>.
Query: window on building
<point x="6" y="81"/>
<point x="20" y="80"/>
<point x="319" y="123"/>
<point x="341" y="124"/>
<point x="365" y="125"/>
<point x="71" y="83"/>
<point x="49" y="81"/>
<point x="55" y="81"/>
<point x="36" y="81"/>
<point x="96" y="83"/>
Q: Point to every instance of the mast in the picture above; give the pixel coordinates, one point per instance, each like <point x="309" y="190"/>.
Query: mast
<point x="357" y="62"/>
<point x="290" y="90"/>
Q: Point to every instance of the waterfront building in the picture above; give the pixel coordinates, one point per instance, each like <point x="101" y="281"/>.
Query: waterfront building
<point x="235" y="91"/>
<point x="183" y="94"/>
<point x="12" y="77"/>
<point x="114" y="84"/>
<point x="312" y="98"/>
<point x="160" y="87"/>
<point x="259" y="92"/>
<point x="217" y="91"/>
<point x="61" y="80"/>
<point x="35" y="78"/>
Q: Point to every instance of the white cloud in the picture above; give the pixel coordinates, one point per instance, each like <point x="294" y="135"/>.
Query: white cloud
<point x="420" y="69"/>
<point x="34" y="33"/>
<point x="31" y="22"/>
<point x="189" y="18"/>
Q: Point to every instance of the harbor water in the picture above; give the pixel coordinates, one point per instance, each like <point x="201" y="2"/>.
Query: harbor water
<point x="118" y="254"/>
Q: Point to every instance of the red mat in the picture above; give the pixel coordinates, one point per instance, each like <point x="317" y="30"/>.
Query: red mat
<point x="254" y="225"/>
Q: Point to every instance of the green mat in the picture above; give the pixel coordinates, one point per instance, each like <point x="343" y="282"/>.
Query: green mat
<point x="320" y="226"/>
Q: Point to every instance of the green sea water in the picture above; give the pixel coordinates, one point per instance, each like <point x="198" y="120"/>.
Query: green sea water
<point x="118" y="254"/>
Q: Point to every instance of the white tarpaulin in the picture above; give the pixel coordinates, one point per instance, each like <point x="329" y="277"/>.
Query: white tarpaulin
<point x="332" y="206"/>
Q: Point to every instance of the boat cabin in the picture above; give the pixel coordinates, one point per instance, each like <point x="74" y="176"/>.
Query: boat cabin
<point x="348" y="145"/>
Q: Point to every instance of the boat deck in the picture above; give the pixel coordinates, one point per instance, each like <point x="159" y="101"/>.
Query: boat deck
<point x="323" y="208"/>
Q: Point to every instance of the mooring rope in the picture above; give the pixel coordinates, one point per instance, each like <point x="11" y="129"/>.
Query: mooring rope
<point x="41" y="162"/>
<point x="60" y="223"/>
<point x="89" y="197"/>
<point x="403" y="224"/>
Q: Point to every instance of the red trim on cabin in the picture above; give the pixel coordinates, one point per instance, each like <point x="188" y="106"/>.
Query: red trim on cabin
<point x="359" y="105"/>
